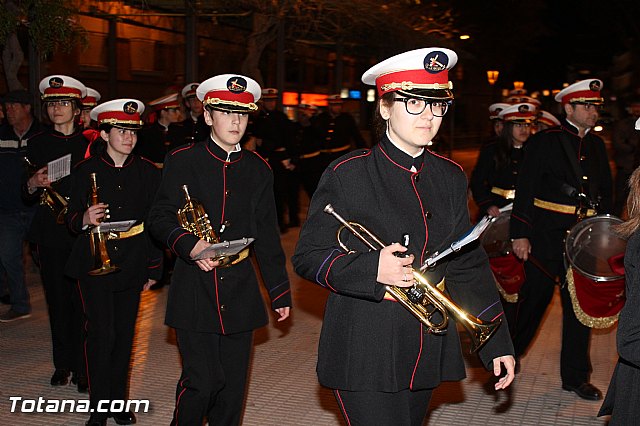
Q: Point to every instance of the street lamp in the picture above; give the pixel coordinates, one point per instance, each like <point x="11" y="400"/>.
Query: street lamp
<point x="492" y="76"/>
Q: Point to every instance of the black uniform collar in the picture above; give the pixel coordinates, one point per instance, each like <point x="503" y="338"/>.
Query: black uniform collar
<point x="568" y="126"/>
<point x="220" y="153"/>
<point x="400" y="157"/>
<point x="107" y="159"/>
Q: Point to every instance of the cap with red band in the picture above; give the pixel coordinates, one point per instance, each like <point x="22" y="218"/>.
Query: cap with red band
<point x="189" y="91"/>
<point x="519" y="113"/>
<point x="494" y="110"/>
<point x="420" y="73"/>
<point x="230" y="93"/>
<point x="122" y="113"/>
<point x="584" y="91"/>
<point x="61" y="87"/>
<point x="166" y="102"/>
<point x="92" y="98"/>
<point x="548" y="119"/>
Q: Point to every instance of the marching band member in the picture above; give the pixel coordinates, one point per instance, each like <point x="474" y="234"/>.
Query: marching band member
<point x="61" y="96"/>
<point x="215" y="310"/>
<point x="89" y="102"/>
<point x="124" y="188"/>
<point x="375" y="355"/>
<point x="154" y="141"/>
<point x="565" y="175"/>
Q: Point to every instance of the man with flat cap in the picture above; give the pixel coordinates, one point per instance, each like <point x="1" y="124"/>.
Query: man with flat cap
<point x="564" y="178"/>
<point x="15" y="214"/>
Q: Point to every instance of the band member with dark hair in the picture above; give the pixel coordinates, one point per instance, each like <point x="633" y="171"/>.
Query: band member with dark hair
<point x="623" y="395"/>
<point x="493" y="183"/>
<point x="61" y="96"/>
<point x="376" y="356"/>
<point x="565" y="177"/>
<point x="154" y="141"/>
<point x="112" y="267"/>
<point x="215" y="309"/>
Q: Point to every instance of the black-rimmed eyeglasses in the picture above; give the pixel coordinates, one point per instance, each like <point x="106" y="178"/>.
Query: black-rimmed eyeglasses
<point x="416" y="106"/>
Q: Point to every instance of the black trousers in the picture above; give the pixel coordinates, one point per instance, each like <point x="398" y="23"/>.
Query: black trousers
<point x="65" y="310"/>
<point x="214" y="376"/>
<point x="403" y="408"/>
<point x="534" y="298"/>
<point x="111" y="319"/>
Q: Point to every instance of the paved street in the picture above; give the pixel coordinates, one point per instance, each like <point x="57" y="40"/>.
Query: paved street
<point x="283" y="389"/>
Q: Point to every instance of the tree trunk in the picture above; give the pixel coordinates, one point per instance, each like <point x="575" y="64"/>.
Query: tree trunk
<point x="264" y="32"/>
<point x="12" y="58"/>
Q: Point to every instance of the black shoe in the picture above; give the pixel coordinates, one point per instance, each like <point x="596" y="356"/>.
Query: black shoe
<point x="585" y="391"/>
<point x="82" y="383"/>
<point x="127" y="418"/>
<point x="5" y="300"/>
<point x="60" y="377"/>
<point x="94" y="421"/>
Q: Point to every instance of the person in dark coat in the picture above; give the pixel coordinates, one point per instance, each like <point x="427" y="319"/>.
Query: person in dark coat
<point x="110" y="286"/>
<point x="623" y="395"/>
<point x="61" y="96"/>
<point x="493" y="180"/>
<point x="154" y="140"/>
<point x="339" y="131"/>
<point x="376" y="356"/>
<point x="214" y="310"/>
<point x="276" y="136"/>
<point x="308" y="145"/>
<point x="89" y="102"/>
<point x="493" y="183"/>
<point x="192" y="128"/>
<point x="565" y="176"/>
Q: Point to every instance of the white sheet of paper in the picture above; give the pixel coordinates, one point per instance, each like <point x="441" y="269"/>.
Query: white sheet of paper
<point x="57" y="169"/>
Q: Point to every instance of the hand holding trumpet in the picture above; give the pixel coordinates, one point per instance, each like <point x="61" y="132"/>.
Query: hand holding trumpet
<point x="394" y="270"/>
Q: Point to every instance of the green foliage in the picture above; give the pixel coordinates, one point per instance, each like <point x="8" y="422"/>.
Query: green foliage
<point x="50" y="24"/>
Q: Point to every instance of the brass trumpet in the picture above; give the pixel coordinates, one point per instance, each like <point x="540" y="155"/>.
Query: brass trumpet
<point x="422" y="294"/>
<point x="50" y="197"/>
<point x="98" y="240"/>
<point x="195" y="219"/>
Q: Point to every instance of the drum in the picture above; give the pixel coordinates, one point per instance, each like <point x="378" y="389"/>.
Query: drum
<point x="495" y="239"/>
<point x="595" y="270"/>
<point x="507" y="269"/>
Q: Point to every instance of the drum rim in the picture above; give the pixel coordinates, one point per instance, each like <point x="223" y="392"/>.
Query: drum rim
<point x="580" y="225"/>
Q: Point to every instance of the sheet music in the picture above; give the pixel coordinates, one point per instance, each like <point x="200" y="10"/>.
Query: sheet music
<point x="57" y="169"/>
<point x="121" y="226"/>
<point x="225" y="248"/>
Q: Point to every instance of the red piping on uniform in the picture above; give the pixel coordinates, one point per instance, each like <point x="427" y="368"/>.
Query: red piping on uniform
<point x="224" y="190"/>
<point x="424" y="219"/>
<point x="260" y="157"/>
<point x="389" y="158"/>
<point x="520" y="219"/>
<point x="497" y="316"/>
<point x="282" y="294"/>
<point x="445" y="158"/>
<point x="176" y="240"/>
<point x="215" y="278"/>
<point x="326" y="276"/>
<point x="352" y="158"/>
<point x="180" y="396"/>
<point x="177" y="150"/>
<point x="344" y="410"/>
<point x="415" y="367"/>
<point x="86" y="323"/>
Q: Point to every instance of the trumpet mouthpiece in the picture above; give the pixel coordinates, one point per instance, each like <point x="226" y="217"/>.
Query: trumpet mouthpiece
<point x="328" y="208"/>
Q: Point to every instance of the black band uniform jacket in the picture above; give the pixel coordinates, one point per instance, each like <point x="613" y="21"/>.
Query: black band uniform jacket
<point x="129" y="191"/>
<point x="45" y="147"/>
<point x="237" y="194"/>
<point x="487" y="175"/>
<point x="547" y="174"/>
<point x="371" y="344"/>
